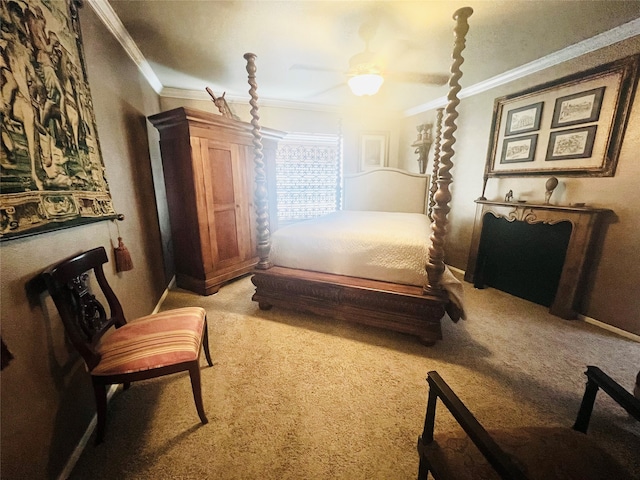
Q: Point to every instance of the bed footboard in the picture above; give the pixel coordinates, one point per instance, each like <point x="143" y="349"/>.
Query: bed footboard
<point x="399" y="308"/>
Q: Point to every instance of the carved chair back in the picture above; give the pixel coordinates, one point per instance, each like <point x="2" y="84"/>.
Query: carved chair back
<point x="84" y="317"/>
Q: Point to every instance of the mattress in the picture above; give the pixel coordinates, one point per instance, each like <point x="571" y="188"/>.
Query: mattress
<point x="386" y="246"/>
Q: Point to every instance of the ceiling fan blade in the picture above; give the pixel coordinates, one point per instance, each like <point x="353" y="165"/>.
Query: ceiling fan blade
<point x="327" y="90"/>
<point x="313" y="68"/>
<point x="415" y="77"/>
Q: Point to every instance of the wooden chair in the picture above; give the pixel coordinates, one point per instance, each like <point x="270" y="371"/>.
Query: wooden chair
<point x="523" y="453"/>
<point x="147" y="347"/>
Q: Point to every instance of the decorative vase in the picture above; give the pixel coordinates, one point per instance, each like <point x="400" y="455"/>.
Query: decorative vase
<point x="550" y="186"/>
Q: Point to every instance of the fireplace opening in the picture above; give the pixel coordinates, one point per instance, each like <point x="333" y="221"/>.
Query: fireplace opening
<point x="523" y="259"/>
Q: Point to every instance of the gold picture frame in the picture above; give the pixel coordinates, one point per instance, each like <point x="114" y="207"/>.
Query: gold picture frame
<point x="574" y="125"/>
<point x="51" y="166"/>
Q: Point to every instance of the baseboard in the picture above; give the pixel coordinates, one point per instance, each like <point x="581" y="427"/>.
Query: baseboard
<point x="172" y="284"/>
<point x="611" y="328"/>
<point x="584" y="318"/>
<point x="84" y="440"/>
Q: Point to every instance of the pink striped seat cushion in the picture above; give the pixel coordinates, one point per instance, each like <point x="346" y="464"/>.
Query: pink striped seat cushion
<point x="154" y="341"/>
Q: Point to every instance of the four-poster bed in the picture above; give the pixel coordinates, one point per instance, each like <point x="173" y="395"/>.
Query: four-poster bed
<point x="321" y="283"/>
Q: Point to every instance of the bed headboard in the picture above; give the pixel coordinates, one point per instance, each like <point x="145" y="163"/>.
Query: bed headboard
<point x="386" y="190"/>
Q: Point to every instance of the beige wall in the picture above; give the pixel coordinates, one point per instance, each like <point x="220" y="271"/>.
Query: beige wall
<point x="47" y="400"/>
<point x="612" y="293"/>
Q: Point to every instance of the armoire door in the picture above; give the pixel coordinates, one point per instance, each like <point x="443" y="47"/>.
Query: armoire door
<point x="227" y="212"/>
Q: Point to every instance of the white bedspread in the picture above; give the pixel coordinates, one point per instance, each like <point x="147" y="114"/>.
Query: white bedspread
<point x="386" y="246"/>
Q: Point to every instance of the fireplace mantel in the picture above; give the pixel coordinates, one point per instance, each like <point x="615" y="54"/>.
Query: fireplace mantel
<point x="586" y="223"/>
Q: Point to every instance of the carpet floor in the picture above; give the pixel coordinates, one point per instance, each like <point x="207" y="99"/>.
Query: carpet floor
<point x="296" y="396"/>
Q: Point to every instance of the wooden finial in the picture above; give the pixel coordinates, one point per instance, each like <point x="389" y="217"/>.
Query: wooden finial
<point x="462" y="14"/>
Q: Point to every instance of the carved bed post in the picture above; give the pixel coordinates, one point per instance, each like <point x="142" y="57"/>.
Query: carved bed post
<point x="435" y="263"/>
<point x="261" y="194"/>
<point x="436" y="163"/>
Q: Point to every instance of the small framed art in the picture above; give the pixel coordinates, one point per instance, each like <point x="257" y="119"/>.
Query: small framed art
<point x="581" y="107"/>
<point x="572" y="143"/>
<point x="524" y="119"/>
<point x="519" y="149"/>
<point x="373" y="150"/>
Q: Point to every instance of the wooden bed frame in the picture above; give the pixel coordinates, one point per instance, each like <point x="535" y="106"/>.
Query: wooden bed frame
<point x="408" y="309"/>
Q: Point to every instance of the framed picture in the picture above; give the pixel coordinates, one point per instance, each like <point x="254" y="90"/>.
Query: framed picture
<point x="583" y="107"/>
<point x="572" y="143"/>
<point x="519" y="149"/>
<point x="524" y="119"/>
<point x="51" y="167"/>
<point x="595" y="102"/>
<point x="373" y="150"/>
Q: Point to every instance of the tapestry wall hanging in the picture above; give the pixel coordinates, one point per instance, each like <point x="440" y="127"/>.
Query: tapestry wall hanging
<point x="571" y="126"/>
<point x="51" y="167"/>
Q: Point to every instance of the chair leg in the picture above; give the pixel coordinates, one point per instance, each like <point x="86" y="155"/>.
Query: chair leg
<point x="586" y="406"/>
<point x="423" y="470"/>
<point x="100" y="391"/>
<point x="194" y="374"/>
<point x="422" y="475"/>
<point x="205" y="343"/>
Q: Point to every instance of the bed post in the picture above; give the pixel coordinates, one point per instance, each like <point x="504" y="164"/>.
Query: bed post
<point x="436" y="163"/>
<point x="435" y="263"/>
<point x="261" y="195"/>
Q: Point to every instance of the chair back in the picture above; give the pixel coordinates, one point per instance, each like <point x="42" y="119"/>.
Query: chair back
<point x="84" y="317"/>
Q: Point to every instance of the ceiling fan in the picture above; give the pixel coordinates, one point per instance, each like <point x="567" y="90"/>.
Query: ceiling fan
<point x="367" y="73"/>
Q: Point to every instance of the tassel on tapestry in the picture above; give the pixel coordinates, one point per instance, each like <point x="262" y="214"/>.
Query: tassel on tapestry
<point x="123" y="257"/>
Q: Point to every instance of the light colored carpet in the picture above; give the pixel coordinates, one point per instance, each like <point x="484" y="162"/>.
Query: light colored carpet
<point x="295" y="396"/>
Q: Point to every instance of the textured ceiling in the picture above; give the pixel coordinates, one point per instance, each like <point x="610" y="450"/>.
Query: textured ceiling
<point x="194" y="44"/>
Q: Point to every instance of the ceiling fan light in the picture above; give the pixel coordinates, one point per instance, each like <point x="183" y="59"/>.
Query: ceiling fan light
<point x="367" y="84"/>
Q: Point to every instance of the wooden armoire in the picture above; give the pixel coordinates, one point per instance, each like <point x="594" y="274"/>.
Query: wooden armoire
<point x="208" y="163"/>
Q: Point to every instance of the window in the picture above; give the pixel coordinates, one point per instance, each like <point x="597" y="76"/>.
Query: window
<point x="308" y="176"/>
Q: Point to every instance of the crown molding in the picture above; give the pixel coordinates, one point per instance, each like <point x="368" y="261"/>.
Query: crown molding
<point x="316" y="107"/>
<point x="617" y="34"/>
<point x="605" y="39"/>
<point x="170" y="92"/>
<point x="330" y="139"/>
<point x="114" y="25"/>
